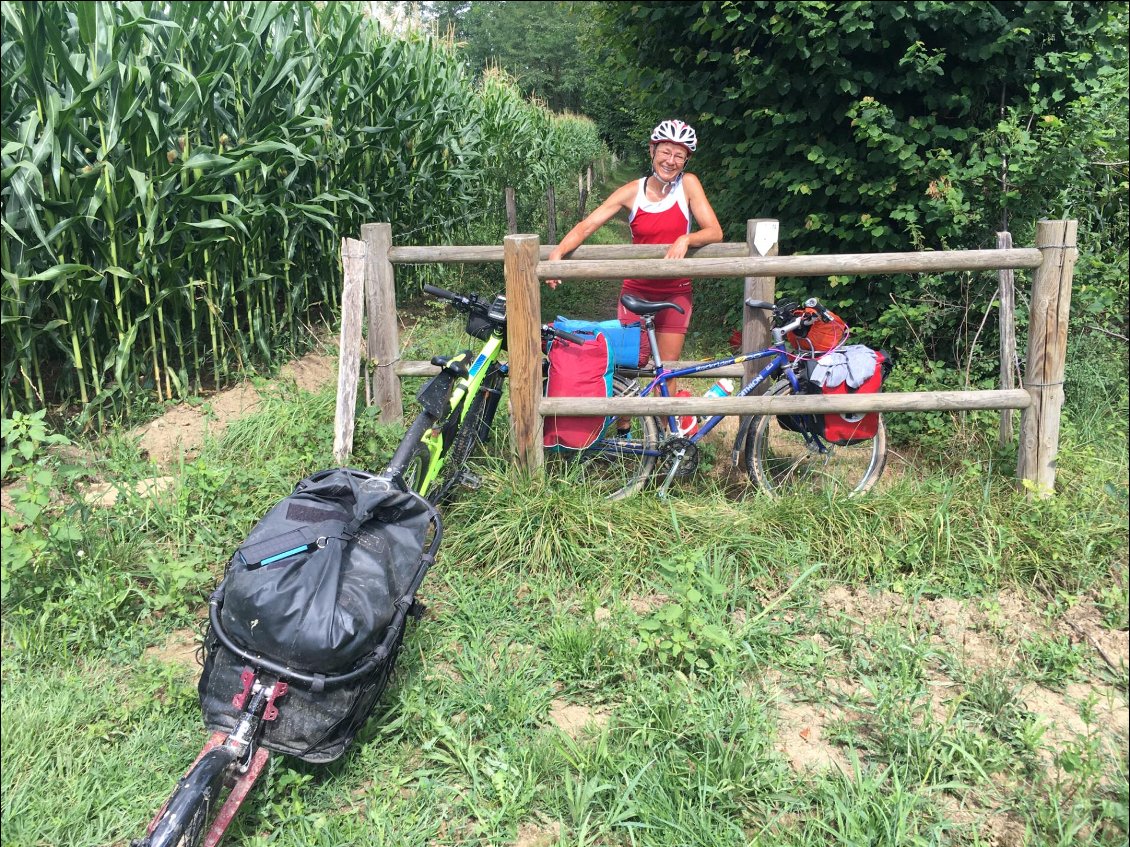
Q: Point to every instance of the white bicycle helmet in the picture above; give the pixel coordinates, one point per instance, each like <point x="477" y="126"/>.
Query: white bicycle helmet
<point x="677" y="132"/>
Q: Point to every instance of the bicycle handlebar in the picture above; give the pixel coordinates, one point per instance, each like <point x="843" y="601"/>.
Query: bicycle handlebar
<point x="471" y="303"/>
<point x="814" y="310"/>
<point x="444" y="294"/>
<point x="554" y="332"/>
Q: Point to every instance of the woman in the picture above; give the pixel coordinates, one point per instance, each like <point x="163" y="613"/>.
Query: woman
<point x="660" y="209"/>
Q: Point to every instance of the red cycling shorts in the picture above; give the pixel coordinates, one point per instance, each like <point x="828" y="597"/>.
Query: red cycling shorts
<point x="663" y="290"/>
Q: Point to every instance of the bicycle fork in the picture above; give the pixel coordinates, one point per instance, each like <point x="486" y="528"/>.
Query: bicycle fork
<point x="219" y="754"/>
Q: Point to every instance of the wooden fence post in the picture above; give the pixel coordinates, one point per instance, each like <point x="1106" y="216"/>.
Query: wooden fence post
<point x="511" y="212"/>
<point x="1047" y="355"/>
<point x="1007" y="292"/>
<point x="761" y="239"/>
<point x="353" y="254"/>
<point x="382" y="385"/>
<point x="523" y="341"/>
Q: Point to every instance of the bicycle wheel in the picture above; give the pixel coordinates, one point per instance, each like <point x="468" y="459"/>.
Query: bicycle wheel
<point x="185" y="818"/>
<point x="780" y="460"/>
<point x="619" y="464"/>
<point x="473" y="431"/>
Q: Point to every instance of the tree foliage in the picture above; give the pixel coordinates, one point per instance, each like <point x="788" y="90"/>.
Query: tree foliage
<point x="868" y="127"/>
<point x="536" y="43"/>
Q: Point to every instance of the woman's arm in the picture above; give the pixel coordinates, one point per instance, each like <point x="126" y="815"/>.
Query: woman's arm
<point x="621" y="198"/>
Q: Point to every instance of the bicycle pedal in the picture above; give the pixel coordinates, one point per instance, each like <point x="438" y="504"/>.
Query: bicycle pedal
<point x="470" y="480"/>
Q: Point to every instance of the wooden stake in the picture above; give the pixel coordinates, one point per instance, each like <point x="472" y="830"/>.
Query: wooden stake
<point x="1007" y="292"/>
<point x="511" y="212"/>
<point x="353" y="254"/>
<point x="761" y="239"/>
<point x="523" y="341"/>
<point x="1047" y="356"/>
<point x="382" y="385"/>
<point x="551" y="214"/>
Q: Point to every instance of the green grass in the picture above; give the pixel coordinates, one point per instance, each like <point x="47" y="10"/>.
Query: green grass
<point x="822" y="628"/>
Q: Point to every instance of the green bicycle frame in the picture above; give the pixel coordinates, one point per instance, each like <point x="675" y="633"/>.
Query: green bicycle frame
<point x="462" y="398"/>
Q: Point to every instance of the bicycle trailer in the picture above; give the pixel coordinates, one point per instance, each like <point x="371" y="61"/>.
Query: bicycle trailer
<point x="317" y="597"/>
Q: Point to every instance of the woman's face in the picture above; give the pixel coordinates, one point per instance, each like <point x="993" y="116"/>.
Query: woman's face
<point x="668" y="159"/>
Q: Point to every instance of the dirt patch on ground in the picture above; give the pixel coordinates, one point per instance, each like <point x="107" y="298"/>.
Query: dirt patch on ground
<point x="801" y="737"/>
<point x="573" y="719"/>
<point x="538" y="835"/>
<point x="985" y="636"/>
<point x="105" y="494"/>
<point x="7" y="505"/>
<point x="181" y="431"/>
<point x="180" y="648"/>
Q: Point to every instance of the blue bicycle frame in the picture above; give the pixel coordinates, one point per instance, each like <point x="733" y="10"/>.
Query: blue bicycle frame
<point x="779" y="363"/>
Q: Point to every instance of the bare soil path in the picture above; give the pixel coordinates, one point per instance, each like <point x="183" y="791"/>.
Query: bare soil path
<point x="181" y="430"/>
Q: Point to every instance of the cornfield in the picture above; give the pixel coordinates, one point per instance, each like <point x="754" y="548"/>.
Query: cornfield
<point x="177" y="178"/>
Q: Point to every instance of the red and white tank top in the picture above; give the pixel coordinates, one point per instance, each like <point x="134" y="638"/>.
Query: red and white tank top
<point x="660" y="222"/>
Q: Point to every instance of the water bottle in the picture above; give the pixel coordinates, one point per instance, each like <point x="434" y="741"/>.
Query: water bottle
<point x="722" y="388"/>
<point x="688" y="424"/>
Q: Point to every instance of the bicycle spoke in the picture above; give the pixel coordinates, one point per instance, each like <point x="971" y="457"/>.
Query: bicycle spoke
<point x="619" y="463"/>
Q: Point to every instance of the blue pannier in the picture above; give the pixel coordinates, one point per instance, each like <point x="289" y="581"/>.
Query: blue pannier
<point x="628" y="344"/>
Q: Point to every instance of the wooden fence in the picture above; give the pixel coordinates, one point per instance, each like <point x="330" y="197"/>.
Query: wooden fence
<point x="525" y="265"/>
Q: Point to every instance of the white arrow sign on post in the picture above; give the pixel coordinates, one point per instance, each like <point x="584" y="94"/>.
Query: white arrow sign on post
<point x="765" y="235"/>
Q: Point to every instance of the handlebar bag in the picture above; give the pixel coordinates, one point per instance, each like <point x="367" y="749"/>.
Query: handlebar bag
<point x="628" y="342"/>
<point x="577" y="370"/>
<point x="819" y="336"/>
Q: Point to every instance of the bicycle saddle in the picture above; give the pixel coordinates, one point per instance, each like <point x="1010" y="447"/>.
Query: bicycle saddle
<point x="648" y="307"/>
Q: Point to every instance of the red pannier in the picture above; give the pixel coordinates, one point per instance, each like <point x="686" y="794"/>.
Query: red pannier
<point x="855" y="427"/>
<point x="577" y="370"/>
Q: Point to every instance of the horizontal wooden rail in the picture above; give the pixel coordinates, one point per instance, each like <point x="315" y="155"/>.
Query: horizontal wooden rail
<point x="905" y="401"/>
<point x="846" y="263"/>
<point x="478" y="254"/>
<point x="419" y="367"/>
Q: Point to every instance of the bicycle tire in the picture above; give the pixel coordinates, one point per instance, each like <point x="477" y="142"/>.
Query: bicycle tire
<point x="417" y="467"/>
<point x="185" y="818"/>
<point x="617" y="466"/>
<point x="472" y="431"/>
<point x="781" y="461"/>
